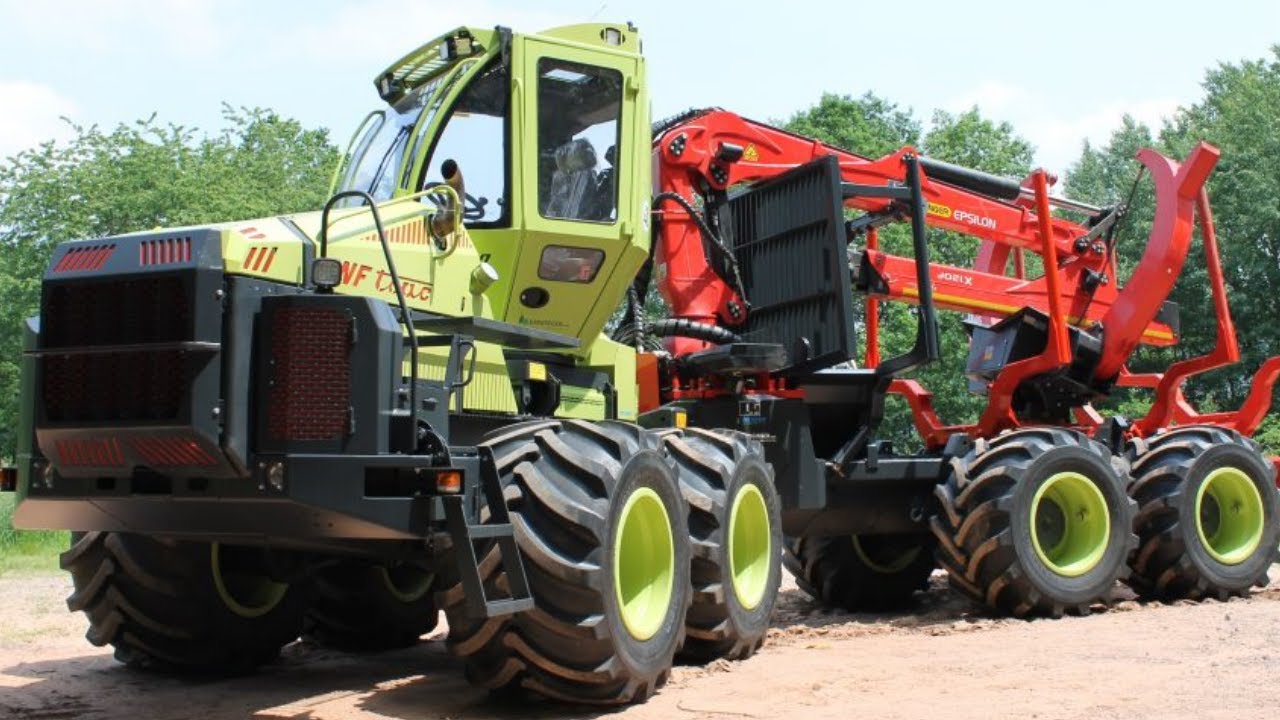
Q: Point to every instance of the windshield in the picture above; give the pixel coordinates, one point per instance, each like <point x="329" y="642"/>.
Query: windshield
<point x="379" y="147"/>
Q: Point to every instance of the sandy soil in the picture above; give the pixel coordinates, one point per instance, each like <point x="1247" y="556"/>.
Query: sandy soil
<point x="947" y="659"/>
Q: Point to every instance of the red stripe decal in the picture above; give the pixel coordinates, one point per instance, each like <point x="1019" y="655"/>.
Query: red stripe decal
<point x="248" y="262"/>
<point x="271" y="257"/>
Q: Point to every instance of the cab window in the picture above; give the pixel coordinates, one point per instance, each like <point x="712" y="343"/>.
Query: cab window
<point x="474" y="137"/>
<point x="579" y="108"/>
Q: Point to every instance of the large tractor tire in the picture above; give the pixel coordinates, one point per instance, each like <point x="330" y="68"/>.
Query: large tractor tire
<point x="1208" y="517"/>
<point x="601" y="526"/>
<point x="1035" y="522"/>
<point x="363" y="607"/>
<point x="181" y="606"/>
<point x="862" y="572"/>
<point x="735" y="529"/>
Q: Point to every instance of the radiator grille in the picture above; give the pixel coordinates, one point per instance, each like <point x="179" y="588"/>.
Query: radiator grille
<point x="310" y="393"/>
<point x="118" y="312"/>
<point x="146" y="385"/>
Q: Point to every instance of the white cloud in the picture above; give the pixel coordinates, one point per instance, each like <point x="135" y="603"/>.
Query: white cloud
<point x="186" y="27"/>
<point x="994" y="98"/>
<point x="32" y="114"/>
<point x="1058" y="127"/>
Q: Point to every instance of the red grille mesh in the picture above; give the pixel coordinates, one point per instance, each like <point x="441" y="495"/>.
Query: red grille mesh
<point x="310" y="396"/>
<point x="165" y="251"/>
<point x="90" y="452"/>
<point x="171" y="451"/>
<point x="85" y="257"/>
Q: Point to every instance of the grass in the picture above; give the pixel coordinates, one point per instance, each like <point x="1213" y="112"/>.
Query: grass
<point x="26" y="550"/>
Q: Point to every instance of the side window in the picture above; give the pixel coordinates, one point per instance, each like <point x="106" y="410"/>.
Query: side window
<point x="474" y="137"/>
<point x="579" y="108"/>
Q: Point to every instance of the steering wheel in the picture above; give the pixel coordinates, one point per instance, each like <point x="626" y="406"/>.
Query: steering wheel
<point x="473" y="208"/>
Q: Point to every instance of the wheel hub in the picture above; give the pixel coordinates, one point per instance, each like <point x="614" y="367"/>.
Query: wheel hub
<point x="885" y="556"/>
<point x="245" y="592"/>
<point x="644" y="563"/>
<point x="405" y="582"/>
<point x="1229" y="515"/>
<point x="749" y="546"/>
<point x="1070" y="524"/>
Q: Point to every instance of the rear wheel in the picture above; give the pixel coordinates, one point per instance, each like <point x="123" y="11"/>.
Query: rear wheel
<point x="601" y="527"/>
<point x="1035" y="522"/>
<point x="861" y="572"/>
<point x="181" y="606"/>
<point x="735" y="529"/>
<point x="1208" y="520"/>
<point x="364" y="606"/>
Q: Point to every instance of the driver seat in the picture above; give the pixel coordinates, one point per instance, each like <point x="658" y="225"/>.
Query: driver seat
<point x="573" y="182"/>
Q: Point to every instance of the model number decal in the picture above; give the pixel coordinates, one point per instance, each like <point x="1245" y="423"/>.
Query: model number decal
<point x="956" y="278"/>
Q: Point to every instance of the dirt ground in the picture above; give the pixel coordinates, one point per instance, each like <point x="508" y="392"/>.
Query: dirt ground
<point x="947" y="659"/>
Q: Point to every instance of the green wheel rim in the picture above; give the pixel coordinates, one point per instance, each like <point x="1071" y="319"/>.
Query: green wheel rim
<point x="889" y="563"/>
<point x="245" y="594"/>
<point x="643" y="563"/>
<point x="1070" y="524"/>
<point x="750" y="538"/>
<point x="406" y="583"/>
<point x="1229" y="515"/>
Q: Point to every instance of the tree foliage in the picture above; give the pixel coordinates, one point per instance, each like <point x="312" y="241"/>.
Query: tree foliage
<point x="137" y="177"/>
<point x="867" y="125"/>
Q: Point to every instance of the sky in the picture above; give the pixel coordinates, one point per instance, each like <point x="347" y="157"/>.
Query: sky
<point x="1060" y="72"/>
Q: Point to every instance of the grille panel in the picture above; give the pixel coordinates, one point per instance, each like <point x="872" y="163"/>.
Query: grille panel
<point x="124" y="386"/>
<point x="118" y="312"/>
<point x="310" y="394"/>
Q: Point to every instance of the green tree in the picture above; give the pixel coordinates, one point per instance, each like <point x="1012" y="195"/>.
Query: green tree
<point x="136" y="177"/>
<point x="867" y="125"/>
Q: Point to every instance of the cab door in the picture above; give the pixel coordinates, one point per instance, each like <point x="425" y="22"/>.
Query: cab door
<point x="580" y="180"/>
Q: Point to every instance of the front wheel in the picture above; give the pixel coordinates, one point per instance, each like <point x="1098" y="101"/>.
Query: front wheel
<point x="1035" y="522"/>
<point x="600" y="524"/>
<point x="181" y="606"/>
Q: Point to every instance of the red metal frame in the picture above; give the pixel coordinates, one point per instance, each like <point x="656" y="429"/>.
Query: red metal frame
<point x="691" y="158"/>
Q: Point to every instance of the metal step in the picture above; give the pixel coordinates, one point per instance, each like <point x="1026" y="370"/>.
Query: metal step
<point x="465" y="534"/>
